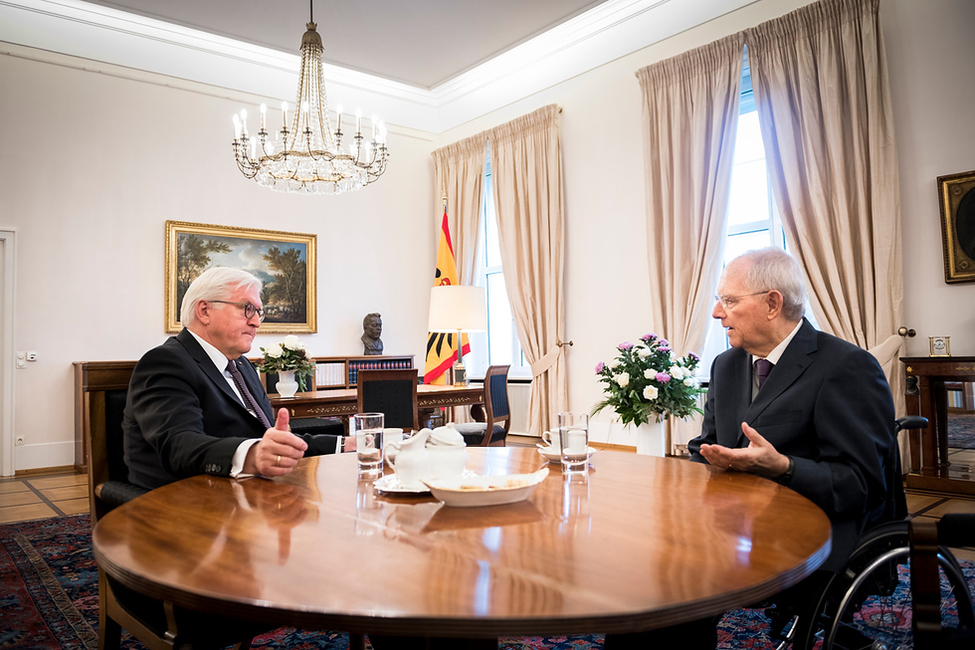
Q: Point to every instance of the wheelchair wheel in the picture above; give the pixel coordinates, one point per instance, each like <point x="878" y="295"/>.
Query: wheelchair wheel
<point x="868" y="605"/>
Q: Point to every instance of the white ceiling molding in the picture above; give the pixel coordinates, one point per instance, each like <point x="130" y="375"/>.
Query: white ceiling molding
<point x="101" y="34"/>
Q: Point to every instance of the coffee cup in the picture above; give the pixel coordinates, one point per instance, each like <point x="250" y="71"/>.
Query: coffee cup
<point x="552" y="440"/>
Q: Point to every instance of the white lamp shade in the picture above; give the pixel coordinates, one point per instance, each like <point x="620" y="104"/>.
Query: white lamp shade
<point x="457" y="308"/>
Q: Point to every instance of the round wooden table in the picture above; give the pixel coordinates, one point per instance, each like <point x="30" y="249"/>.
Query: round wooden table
<point x="638" y="543"/>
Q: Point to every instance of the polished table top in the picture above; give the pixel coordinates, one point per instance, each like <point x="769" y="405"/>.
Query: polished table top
<point x="640" y="542"/>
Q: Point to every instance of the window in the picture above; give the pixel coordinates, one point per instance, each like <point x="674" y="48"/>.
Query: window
<point x="499" y="345"/>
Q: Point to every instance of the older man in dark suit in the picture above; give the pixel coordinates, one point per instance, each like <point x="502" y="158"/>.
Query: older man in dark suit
<point x="195" y="405"/>
<point x="794" y="405"/>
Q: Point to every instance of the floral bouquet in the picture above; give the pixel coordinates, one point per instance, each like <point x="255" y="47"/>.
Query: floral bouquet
<point x="649" y="380"/>
<point x="289" y="354"/>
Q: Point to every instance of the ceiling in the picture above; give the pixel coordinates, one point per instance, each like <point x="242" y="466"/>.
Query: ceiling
<point x="421" y="65"/>
<point x="423" y="43"/>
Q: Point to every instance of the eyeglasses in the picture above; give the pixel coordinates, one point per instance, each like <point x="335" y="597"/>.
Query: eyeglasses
<point x="730" y="301"/>
<point x="249" y="309"/>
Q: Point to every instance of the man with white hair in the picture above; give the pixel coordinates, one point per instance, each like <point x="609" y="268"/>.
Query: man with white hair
<point x="195" y="404"/>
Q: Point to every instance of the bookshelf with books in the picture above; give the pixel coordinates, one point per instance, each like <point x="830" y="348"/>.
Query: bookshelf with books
<point x="341" y="372"/>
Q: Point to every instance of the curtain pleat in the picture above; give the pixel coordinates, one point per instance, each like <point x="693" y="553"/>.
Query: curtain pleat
<point x="690" y="116"/>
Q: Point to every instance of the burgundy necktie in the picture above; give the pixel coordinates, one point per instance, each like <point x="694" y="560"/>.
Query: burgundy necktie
<point x="248" y="398"/>
<point x="763" y="367"/>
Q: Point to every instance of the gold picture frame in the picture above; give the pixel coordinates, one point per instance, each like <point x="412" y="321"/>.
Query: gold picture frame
<point x="957" y="195"/>
<point x="191" y="248"/>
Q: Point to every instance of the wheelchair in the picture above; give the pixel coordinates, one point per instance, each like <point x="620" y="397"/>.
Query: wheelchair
<point x="868" y="605"/>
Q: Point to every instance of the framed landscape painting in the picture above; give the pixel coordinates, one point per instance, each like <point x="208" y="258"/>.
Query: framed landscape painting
<point x="284" y="261"/>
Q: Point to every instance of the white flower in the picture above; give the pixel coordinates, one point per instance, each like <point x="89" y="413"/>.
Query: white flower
<point x="292" y="343"/>
<point x="650" y="392"/>
<point x="650" y="373"/>
<point x="622" y="379"/>
<point x="274" y="350"/>
<point x="677" y="372"/>
<point x="643" y="352"/>
<point x="690" y="381"/>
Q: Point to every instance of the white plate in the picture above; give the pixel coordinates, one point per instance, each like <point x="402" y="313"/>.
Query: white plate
<point x="391" y="485"/>
<point x="486" y="490"/>
<point x="555" y="457"/>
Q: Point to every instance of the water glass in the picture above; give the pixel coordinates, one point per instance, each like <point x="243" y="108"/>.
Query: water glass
<point x="574" y="439"/>
<point x="368" y="430"/>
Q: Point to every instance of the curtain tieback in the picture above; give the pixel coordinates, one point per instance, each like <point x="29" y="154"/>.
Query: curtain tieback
<point x="546" y="362"/>
<point x="887" y="350"/>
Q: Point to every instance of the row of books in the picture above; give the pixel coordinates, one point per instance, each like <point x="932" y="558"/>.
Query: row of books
<point x="333" y="374"/>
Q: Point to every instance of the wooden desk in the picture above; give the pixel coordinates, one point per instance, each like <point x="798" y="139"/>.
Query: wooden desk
<point x="926" y="395"/>
<point x="342" y="401"/>
<point x="642" y="542"/>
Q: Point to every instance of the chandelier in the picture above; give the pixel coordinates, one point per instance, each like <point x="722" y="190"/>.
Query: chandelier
<point x="308" y="157"/>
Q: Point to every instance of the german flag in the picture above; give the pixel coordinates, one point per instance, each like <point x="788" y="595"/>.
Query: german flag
<point x="442" y="346"/>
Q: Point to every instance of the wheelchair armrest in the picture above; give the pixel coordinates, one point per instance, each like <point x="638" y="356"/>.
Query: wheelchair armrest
<point x="115" y="493"/>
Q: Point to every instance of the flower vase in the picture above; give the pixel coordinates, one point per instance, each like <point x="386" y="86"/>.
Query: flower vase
<point x="651" y="439"/>
<point x="287" y="386"/>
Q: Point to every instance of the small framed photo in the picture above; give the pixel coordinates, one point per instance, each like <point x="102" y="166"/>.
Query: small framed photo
<point x="957" y="195"/>
<point x="940" y="346"/>
<point x="284" y="261"/>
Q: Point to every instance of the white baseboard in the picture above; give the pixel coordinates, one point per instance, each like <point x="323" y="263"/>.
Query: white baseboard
<point x="51" y="454"/>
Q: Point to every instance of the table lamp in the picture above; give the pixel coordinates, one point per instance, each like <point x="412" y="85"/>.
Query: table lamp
<point x="458" y="308"/>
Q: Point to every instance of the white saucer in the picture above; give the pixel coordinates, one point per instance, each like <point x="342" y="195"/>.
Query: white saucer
<point x="390" y="484"/>
<point x="478" y="491"/>
<point x="554" y="456"/>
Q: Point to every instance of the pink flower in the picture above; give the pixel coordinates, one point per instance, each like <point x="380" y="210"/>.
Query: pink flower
<point x="646" y="338"/>
<point x="600" y="367"/>
<point x="662" y="377"/>
<point x="625" y="345"/>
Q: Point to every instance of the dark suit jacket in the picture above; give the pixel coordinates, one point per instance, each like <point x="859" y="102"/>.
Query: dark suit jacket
<point x="182" y="418"/>
<point x="826" y="404"/>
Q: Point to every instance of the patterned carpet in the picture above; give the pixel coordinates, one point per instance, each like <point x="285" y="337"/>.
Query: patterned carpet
<point x="49" y="600"/>
<point x="961" y="430"/>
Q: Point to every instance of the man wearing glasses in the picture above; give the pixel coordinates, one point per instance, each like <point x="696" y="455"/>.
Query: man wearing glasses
<point x="794" y="405"/>
<point x="195" y="404"/>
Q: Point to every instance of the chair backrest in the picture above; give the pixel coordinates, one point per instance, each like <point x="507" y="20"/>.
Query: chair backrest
<point x="496" y="408"/>
<point x="100" y="391"/>
<point x="391" y="392"/>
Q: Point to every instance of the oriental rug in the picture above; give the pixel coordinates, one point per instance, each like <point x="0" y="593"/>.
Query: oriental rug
<point x="961" y="430"/>
<point x="49" y="600"/>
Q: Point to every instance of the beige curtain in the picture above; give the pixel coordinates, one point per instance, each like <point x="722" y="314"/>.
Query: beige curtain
<point x="690" y="111"/>
<point x="820" y="81"/>
<point x="460" y="178"/>
<point x="526" y="168"/>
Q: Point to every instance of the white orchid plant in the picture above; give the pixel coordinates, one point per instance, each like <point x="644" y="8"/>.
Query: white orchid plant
<point x="648" y="381"/>
<point x="289" y="354"/>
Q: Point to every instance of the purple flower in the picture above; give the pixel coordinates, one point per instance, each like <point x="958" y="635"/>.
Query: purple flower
<point x="664" y="343"/>
<point x="600" y="367"/>
<point x="693" y="356"/>
<point x="663" y="348"/>
<point x="646" y="338"/>
<point x="625" y="345"/>
<point x="662" y="377"/>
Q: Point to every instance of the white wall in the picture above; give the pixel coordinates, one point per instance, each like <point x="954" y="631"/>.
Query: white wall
<point x="90" y="230"/>
<point x="92" y="166"/>
<point x="930" y="55"/>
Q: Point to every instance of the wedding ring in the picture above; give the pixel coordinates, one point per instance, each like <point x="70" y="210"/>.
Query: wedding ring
<point x="278" y="462"/>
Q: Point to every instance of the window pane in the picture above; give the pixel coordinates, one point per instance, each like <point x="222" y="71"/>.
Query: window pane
<point x="748" y="199"/>
<point x="748" y="142"/>
<point x="499" y="321"/>
<point x="735" y="245"/>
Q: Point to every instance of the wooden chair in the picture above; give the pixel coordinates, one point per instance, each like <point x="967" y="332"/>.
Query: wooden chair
<point x="100" y="391"/>
<point x="391" y="392"/>
<point x="928" y="538"/>
<point x="497" y="413"/>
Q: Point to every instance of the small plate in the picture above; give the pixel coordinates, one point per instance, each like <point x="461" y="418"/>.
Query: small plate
<point x="391" y="485"/>
<point x="478" y="491"/>
<point x="556" y="457"/>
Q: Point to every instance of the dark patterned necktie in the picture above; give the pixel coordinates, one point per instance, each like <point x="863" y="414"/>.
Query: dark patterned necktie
<point x="248" y="398"/>
<point x="763" y="367"/>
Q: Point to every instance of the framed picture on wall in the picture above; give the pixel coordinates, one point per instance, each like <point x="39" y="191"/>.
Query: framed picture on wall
<point x="957" y="194"/>
<point x="284" y="261"/>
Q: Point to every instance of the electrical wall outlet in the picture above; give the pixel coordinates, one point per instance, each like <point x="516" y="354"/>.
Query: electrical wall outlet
<point x="19" y="440"/>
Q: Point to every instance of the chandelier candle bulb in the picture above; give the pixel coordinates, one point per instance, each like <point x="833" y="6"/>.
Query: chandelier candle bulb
<point x="263" y="115"/>
<point x="358" y="119"/>
<point x="236" y="126"/>
<point x="243" y="120"/>
<point x="284" y="120"/>
<point x="338" y="118"/>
